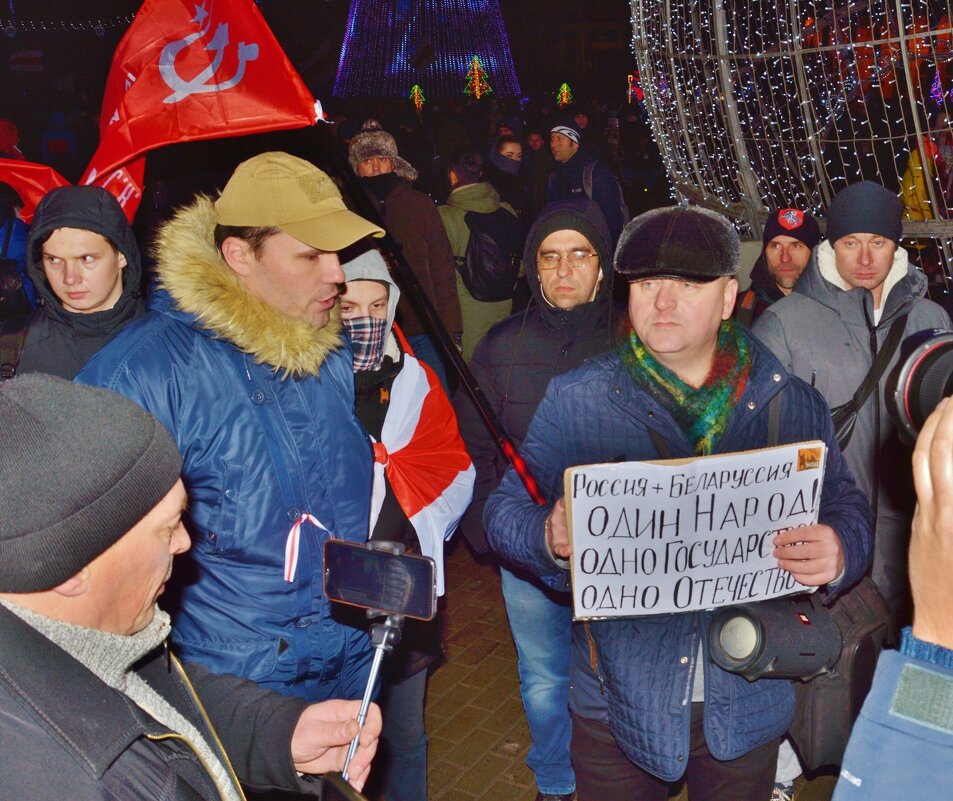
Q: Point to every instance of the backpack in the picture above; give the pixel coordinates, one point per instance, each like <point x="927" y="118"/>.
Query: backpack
<point x="491" y="263"/>
<point x="13" y="298"/>
<point x="587" y="188"/>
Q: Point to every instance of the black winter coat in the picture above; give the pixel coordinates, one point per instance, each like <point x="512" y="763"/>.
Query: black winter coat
<point x="515" y="361"/>
<point x="67" y="735"/>
<point x="61" y="342"/>
<point x="568" y="183"/>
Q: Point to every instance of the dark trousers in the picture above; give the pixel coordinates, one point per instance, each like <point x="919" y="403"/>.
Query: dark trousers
<point x="604" y="773"/>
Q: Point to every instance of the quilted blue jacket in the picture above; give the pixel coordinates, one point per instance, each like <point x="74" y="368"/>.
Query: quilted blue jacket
<point x="646" y="665"/>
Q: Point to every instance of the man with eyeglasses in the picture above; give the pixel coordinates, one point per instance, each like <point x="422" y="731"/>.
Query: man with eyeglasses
<point x="566" y="258"/>
<point x="648" y="708"/>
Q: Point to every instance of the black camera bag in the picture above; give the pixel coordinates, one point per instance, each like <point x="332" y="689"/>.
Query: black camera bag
<point x="827" y="706"/>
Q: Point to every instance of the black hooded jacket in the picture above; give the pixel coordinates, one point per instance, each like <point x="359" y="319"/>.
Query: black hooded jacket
<point x="764" y="291"/>
<point x="57" y="341"/>
<point x="515" y="361"/>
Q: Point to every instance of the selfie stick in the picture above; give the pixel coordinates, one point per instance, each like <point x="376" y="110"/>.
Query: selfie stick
<point x="384" y="637"/>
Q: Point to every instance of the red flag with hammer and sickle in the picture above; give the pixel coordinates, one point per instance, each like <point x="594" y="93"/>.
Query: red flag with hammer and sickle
<point x="189" y="70"/>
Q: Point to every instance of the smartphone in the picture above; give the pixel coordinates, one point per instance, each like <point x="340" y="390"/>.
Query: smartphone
<point x="336" y="789"/>
<point x="372" y="578"/>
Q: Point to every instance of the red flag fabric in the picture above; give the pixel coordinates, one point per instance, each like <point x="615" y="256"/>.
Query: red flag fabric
<point x="195" y="70"/>
<point x="125" y="184"/>
<point x="424" y="458"/>
<point x="31" y="182"/>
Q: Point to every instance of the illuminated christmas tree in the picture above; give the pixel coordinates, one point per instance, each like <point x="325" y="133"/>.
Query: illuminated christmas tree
<point x="417" y="95"/>
<point x="476" y="80"/>
<point x="392" y="44"/>
<point x="564" y="95"/>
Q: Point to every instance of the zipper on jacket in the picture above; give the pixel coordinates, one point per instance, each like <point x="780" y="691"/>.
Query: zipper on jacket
<point x="594" y="659"/>
<point x="875" y="471"/>
<point x="208" y="770"/>
<point x="211" y="729"/>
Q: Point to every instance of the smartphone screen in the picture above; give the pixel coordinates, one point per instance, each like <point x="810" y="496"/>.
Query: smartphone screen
<point x="376" y="579"/>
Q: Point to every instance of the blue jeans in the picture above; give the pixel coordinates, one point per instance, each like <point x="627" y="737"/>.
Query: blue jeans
<point x="541" y="624"/>
<point x="427" y="351"/>
<point x="404" y="740"/>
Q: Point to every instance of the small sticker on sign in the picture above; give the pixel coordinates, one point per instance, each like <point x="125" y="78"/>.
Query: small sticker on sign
<point x="808" y="459"/>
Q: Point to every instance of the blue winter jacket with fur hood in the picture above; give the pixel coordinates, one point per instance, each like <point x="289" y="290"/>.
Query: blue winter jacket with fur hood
<point x="647" y="665"/>
<point x="262" y="409"/>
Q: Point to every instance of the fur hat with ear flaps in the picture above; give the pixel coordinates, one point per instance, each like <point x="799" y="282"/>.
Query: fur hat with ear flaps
<point x="371" y="141"/>
<point x="686" y="242"/>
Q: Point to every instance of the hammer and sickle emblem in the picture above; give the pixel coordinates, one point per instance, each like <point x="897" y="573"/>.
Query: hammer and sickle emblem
<point x="181" y="87"/>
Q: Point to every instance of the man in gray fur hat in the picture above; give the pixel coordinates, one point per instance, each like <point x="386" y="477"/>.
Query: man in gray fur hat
<point x="829" y="330"/>
<point x="648" y="706"/>
<point x="89" y="694"/>
<point x="411" y="218"/>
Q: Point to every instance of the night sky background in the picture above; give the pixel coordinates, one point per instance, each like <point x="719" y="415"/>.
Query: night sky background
<point x="583" y="43"/>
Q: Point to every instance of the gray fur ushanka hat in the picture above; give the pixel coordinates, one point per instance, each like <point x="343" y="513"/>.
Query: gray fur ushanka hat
<point x="684" y="242"/>
<point x="371" y="141"/>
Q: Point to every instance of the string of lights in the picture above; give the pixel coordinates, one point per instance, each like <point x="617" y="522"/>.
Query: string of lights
<point x="761" y="104"/>
<point x="13" y="23"/>
<point x="392" y="45"/>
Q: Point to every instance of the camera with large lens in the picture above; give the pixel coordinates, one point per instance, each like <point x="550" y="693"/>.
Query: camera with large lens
<point x="922" y="378"/>
<point x="793" y="637"/>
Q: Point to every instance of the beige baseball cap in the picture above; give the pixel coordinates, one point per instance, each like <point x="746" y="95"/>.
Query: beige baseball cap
<point x="281" y="190"/>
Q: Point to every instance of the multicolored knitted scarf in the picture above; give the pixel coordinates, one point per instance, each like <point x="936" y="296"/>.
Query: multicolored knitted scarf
<point x="701" y="413"/>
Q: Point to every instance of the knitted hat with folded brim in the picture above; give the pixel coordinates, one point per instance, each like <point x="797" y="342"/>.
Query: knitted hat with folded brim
<point x="378" y="144"/>
<point x="794" y="223"/>
<point x="865" y="208"/>
<point x="79" y="468"/>
<point x="685" y="242"/>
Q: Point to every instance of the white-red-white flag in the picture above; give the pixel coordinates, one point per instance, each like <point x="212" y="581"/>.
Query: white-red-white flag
<point x="424" y="458"/>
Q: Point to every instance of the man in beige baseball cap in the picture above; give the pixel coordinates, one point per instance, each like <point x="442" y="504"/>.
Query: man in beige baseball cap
<point x="242" y="358"/>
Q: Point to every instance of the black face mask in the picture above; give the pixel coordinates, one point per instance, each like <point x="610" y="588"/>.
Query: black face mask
<point x="381" y="185"/>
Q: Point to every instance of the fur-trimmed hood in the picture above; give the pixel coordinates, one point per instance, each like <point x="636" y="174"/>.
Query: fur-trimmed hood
<point x="202" y="287"/>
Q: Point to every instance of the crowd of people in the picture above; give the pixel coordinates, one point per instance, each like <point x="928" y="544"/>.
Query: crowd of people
<point x="273" y="387"/>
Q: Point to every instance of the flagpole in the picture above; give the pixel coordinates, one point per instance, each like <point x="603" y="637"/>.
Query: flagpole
<point x="414" y="292"/>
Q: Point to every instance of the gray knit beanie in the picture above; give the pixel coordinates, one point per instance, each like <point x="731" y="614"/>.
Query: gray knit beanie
<point x="371" y="141"/>
<point x="79" y="467"/>
<point x="865" y="208"/>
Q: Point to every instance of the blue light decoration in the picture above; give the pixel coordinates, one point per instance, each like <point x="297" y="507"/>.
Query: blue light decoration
<point x="392" y="44"/>
<point x="936" y="89"/>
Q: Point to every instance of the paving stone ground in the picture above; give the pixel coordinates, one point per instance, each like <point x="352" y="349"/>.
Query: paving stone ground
<point x="478" y="735"/>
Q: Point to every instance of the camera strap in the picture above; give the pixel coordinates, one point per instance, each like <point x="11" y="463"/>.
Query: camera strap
<point x="877" y="369"/>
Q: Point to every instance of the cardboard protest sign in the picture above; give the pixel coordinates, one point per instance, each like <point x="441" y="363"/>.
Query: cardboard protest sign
<point x="654" y="538"/>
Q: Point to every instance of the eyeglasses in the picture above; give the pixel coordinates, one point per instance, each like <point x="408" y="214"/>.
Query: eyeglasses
<point x="577" y="258"/>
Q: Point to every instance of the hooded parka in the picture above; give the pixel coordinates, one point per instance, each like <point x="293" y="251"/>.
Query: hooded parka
<point x="828" y="336"/>
<point x="261" y="407"/>
<point x="57" y="341"/>
<point x="518" y="357"/>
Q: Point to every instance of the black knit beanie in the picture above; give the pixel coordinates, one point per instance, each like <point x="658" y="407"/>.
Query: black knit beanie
<point x="865" y="208"/>
<point x="794" y="223"/>
<point x="79" y="467"/>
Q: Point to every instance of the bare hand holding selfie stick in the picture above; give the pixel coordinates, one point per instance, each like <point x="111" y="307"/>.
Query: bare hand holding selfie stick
<point x="389" y="584"/>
